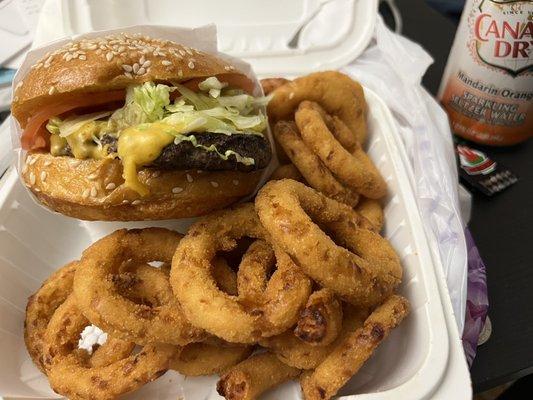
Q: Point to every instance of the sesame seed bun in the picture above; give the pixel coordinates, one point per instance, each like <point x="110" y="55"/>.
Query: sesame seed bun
<point x="110" y="63"/>
<point x="94" y="189"/>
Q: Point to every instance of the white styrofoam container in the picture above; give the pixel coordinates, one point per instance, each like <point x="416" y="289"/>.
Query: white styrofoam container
<point x="414" y="363"/>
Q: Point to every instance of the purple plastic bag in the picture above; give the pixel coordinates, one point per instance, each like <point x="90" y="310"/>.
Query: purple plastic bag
<point x="477" y="302"/>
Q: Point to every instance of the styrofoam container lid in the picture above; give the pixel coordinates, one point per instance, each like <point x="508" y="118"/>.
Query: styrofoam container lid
<point x="278" y="37"/>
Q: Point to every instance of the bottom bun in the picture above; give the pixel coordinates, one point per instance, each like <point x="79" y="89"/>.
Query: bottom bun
<point x="94" y="189"/>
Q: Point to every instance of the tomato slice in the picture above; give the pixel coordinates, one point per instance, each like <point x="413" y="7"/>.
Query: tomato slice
<point x="35" y="135"/>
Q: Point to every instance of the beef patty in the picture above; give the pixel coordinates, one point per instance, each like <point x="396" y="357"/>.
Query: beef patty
<point x="185" y="155"/>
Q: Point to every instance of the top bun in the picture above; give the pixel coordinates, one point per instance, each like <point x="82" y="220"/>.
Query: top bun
<point x="109" y="63"/>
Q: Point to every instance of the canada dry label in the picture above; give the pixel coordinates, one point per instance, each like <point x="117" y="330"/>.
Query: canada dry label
<point x="487" y="88"/>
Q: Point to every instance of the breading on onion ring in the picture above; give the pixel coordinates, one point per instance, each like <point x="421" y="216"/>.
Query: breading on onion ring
<point x="99" y="298"/>
<point x="42" y="305"/>
<point x="71" y="376"/>
<point x="321" y="320"/>
<point x="336" y="92"/>
<point x="271" y="84"/>
<point x="348" y="357"/>
<point x="224" y="276"/>
<point x="250" y="378"/>
<point x="314" y="171"/>
<point x="198" y="359"/>
<point x="352" y="167"/>
<point x="364" y="272"/>
<point x="371" y="209"/>
<point x="208" y="307"/>
<point x="287" y="171"/>
<point x="299" y="354"/>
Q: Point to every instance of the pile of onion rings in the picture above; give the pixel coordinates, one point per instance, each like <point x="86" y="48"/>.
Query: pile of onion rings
<point x="298" y="284"/>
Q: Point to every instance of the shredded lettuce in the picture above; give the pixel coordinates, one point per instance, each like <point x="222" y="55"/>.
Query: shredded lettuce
<point x="144" y="103"/>
<point x="215" y="108"/>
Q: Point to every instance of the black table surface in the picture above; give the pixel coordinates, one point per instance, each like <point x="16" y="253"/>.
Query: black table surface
<point x="498" y="225"/>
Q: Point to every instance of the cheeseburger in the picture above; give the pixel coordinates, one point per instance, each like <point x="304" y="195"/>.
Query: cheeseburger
<point x="128" y="127"/>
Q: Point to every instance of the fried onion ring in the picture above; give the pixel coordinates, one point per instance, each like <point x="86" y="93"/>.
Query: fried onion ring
<point x="299" y="354"/>
<point x="252" y="377"/>
<point x="210" y="308"/>
<point x="69" y="374"/>
<point x="321" y="320"/>
<point x="336" y="92"/>
<point x="99" y="298"/>
<point x="363" y="272"/>
<point x="197" y="359"/>
<point x="42" y="306"/>
<point x="352" y="167"/>
<point x="287" y="171"/>
<point x="316" y="174"/>
<point x="271" y="84"/>
<point x="350" y="355"/>
<point x="372" y="211"/>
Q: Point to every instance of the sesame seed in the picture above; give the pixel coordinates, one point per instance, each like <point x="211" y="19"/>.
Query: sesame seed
<point x="136" y="202"/>
<point x="189" y="51"/>
<point x="127" y="68"/>
<point x="32" y="178"/>
<point x="235" y="182"/>
<point x="146" y="64"/>
<point x="92" y="177"/>
<point x="291" y="95"/>
<point x="142" y="60"/>
<point x="214" y="184"/>
<point x="75" y="163"/>
<point x="125" y="201"/>
<point x="43" y="176"/>
<point x="36" y="190"/>
<point x="189" y="178"/>
<point x="135" y="68"/>
<point x="82" y="57"/>
<point x="110" y="186"/>
<point x="86" y="193"/>
<point x="227" y="68"/>
<point x="52" y="90"/>
<point x="128" y="74"/>
<point x="47" y="163"/>
<point x="181" y="52"/>
<point x="141" y="71"/>
<point x="166" y="62"/>
<point x="191" y="65"/>
<point x="177" y="190"/>
<point x="31" y="160"/>
<point x="68" y="57"/>
<point x="109" y="56"/>
<point x="94" y="192"/>
<point x="121" y="49"/>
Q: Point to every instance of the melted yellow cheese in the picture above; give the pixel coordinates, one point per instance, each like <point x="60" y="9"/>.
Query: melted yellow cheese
<point x="141" y="145"/>
<point x="81" y="143"/>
